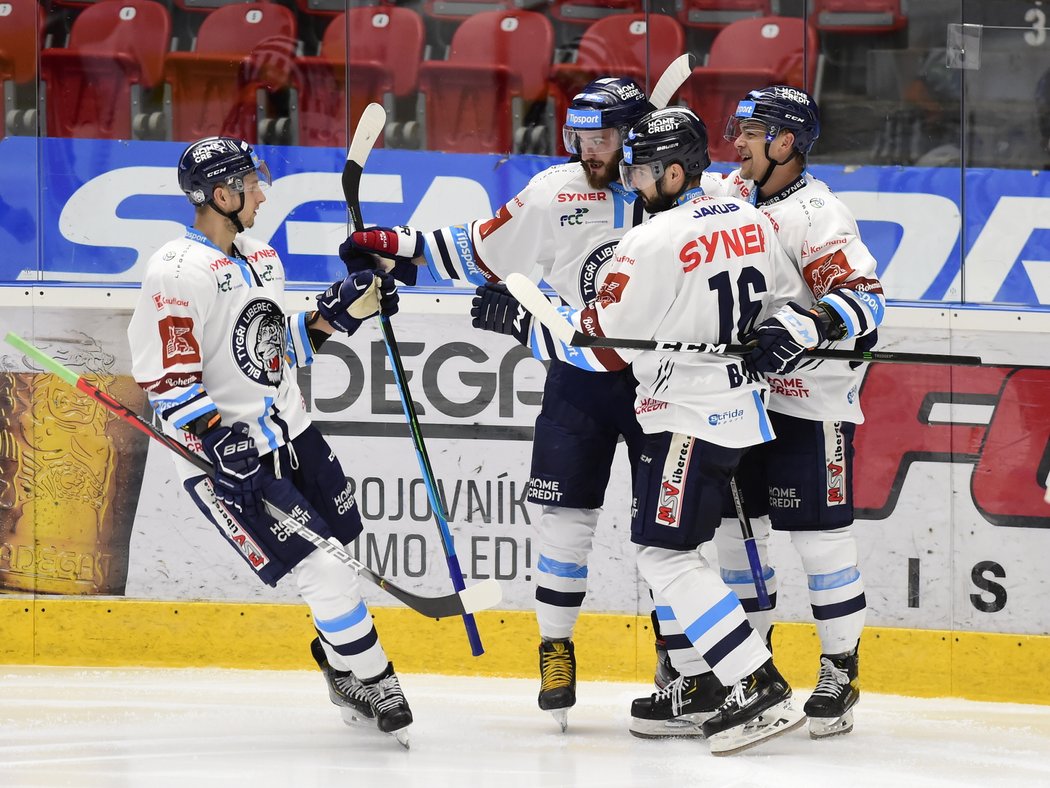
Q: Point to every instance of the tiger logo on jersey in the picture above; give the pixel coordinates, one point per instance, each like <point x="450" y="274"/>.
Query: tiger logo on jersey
<point x="590" y="272"/>
<point x="259" y="340"/>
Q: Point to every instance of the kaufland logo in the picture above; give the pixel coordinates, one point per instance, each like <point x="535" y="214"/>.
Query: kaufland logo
<point x="584" y="119"/>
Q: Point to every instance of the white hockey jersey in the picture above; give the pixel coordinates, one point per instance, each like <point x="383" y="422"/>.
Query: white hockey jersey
<point x="820" y="235"/>
<point x="557" y="228"/>
<point x="209" y="332"/>
<point x="704" y="271"/>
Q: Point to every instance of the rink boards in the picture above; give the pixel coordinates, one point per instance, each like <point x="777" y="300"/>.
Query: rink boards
<point x="953" y="529"/>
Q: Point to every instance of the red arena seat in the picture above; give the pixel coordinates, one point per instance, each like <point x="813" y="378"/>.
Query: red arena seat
<point x="498" y="64"/>
<point x="384" y="61"/>
<point x="617" y="46"/>
<point x="94" y="86"/>
<point x="244" y="51"/>
<point x="749" y="54"/>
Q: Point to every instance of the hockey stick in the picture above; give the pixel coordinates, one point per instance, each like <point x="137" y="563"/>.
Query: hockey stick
<point x="674" y="76"/>
<point x="481" y="596"/>
<point x="368" y="129"/>
<point x="530" y="297"/>
<point x="751" y="546"/>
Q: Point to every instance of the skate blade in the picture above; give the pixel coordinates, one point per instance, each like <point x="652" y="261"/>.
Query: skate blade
<point x="685" y="727"/>
<point x="823" y="727"/>
<point x="561" y="716"/>
<point x="771" y="723"/>
<point x="401" y="736"/>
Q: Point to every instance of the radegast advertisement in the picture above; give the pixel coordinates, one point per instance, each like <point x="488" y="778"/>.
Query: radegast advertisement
<point x="105" y="205"/>
<point x="952" y="529"/>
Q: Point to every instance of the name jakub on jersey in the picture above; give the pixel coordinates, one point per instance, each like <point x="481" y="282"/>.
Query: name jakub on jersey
<point x="258" y="341"/>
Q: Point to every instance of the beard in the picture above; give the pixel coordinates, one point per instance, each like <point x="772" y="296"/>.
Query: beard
<point x="659" y="203"/>
<point x="600" y="177"/>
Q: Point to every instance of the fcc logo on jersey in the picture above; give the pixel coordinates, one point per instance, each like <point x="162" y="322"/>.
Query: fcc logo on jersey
<point x="591" y="270"/>
<point x="258" y="341"/>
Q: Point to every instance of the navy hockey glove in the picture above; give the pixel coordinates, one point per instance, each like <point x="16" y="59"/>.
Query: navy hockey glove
<point x="237" y="476"/>
<point x="401" y="244"/>
<point x="357" y="258"/>
<point x="780" y="341"/>
<point x="364" y="294"/>
<point x="495" y="309"/>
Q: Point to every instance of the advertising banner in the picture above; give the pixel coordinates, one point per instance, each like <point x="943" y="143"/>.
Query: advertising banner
<point x="105" y="205"/>
<point x="949" y="476"/>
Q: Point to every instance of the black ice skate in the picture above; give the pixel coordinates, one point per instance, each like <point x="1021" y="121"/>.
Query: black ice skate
<point x="830" y="707"/>
<point x="344" y="689"/>
<point x="758" y="708"/>
<point x="557" y="679"/>
<point x="679" y="709"/>
<point x="389" y="706"/>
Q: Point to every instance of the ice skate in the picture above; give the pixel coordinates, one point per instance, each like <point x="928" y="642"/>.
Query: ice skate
<point x="679" y="709"/>
<point x="757" y="709"/>
<point x="344" y="689"/>
<point x="557" y="679"/>
<point x="830" y="707"/>
<point x="389" y="706"/>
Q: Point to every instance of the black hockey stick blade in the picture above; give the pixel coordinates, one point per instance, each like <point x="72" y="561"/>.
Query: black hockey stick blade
<point x="369" y="127"/>
<point x="532" y="298"/>
<point x="674" y="76"/>
<point x="480" y="596"/>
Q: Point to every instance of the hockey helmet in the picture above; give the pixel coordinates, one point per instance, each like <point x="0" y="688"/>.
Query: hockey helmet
<point x="610" y="104"/>
<point x="779" y="108"/>
<point x="672" y="135"/>
<point x="215" y="161"/>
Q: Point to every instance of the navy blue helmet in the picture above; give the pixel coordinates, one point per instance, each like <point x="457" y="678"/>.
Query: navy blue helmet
<point x="606" y="103"/>
<point x="215" y="161"/>
<point x="779" y="108"/>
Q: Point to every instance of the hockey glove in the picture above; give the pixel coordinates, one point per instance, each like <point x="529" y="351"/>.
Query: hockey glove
<point x="780" y="341"/>
<point x="357" y="260"/>
<point x="495" y="309"/>
<point x="346" y="304"/>
<point x="236" y="476"/>
<point x="400" y="244"/>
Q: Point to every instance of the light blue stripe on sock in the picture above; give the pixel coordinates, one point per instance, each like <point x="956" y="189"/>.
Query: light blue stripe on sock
<point x="698" y="628"/>
<point x="345" y="621"/>
<point x="561" y="568"/>
<point x="743" y="576"/>
<point x="664" y="613"/>
<point x="843" y="577"/>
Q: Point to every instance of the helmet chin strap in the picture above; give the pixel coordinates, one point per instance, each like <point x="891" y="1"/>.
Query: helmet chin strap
<point x="231" y="215"/>
<point x="773" y="163"/>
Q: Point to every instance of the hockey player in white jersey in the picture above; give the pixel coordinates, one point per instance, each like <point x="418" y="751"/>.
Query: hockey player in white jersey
<point x="212" y="347"/>
<point x="704" y="269"/>
<point x="562" y="226"/>
<point x="803" y="481"/>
